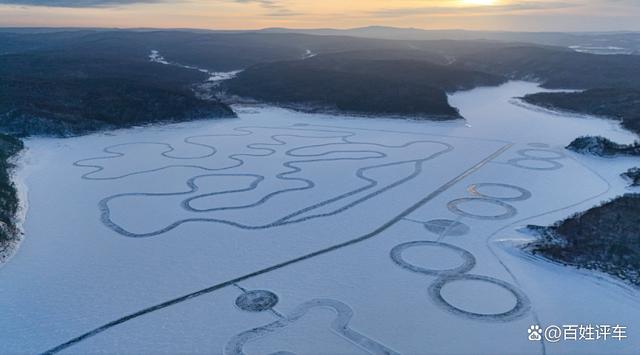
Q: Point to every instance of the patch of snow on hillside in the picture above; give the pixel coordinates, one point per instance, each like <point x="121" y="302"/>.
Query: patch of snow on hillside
<point x="157" y="58"/>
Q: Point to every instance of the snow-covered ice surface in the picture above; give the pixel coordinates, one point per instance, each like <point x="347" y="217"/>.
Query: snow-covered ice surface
<point x="365" y="236"/>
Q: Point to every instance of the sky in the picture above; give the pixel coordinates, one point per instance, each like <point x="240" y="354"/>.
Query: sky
<point x="510" y="15"/>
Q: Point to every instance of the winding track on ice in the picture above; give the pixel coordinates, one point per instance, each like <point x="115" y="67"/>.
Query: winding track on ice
<point x="403" y="215"/>
<point x="340" y="325"/>
<point x="329" y="249"/>
<point x="292" y="167"/>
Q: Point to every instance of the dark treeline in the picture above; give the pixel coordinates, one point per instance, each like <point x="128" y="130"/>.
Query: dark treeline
<point x="9" y="204"/>
<point x="603" y="238"/>
<point x="620" y="104"/>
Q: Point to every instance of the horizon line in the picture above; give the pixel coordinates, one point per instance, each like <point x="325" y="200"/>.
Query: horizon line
<point x="303" y="29"/>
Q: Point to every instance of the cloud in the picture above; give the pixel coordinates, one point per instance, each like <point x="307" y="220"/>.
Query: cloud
<point x="470" y="10"/>
<point x="76" y="3"/>
<point x="264" y="3"/>
<point x="275" y="7"/>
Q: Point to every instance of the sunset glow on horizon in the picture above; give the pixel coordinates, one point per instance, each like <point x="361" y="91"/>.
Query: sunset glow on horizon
<point x="479" y="2"/>
<point x="515" y="15"/>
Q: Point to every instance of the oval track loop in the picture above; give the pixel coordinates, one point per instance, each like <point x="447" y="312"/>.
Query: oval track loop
<point x="554" y="165"/>
<point x="523" y="194"/>
<point x="521" y="307"/>
<point x="525" y="155"/>
<point x="509" y="211"/>
<point x="468" y="260"/>
<point x="555" y="155"/>
<point x="460" y="273"/>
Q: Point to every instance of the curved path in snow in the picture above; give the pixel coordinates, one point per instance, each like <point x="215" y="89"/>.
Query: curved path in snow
<point x="369" y="189"/>
<point x="418" y="163"/>
<point x="340" y="325"/>
<point x="522" y="304"/>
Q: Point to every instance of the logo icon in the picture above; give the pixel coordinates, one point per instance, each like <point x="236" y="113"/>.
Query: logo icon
<point x="535" y="333"/>
<point x="553" y="334"/>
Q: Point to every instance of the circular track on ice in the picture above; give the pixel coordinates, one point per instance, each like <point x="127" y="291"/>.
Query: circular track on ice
<point x="522" y="194"/>
<point x="527" y="154"/>
<point x="454" y="206"/>
<point x="554" y="165"/>
<point x="446" y="227"/>
<point x="521" y="307"/>
<point x="538" y="145"/>
<point x="257" y="301"/>
<point x="468" y="260"/>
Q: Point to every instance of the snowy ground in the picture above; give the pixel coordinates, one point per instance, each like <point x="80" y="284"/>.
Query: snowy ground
<point x="363" y="236"/>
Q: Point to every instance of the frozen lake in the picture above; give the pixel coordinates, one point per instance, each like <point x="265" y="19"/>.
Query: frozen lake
<point x="283" y="232"/>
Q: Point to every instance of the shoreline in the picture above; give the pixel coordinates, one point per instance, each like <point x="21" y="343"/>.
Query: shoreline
<point x="18" y="175"/>
<point x="547" y="237"/>
<point x="520" y="102"/>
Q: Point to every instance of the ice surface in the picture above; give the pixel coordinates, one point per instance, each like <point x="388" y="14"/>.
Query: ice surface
<point x="142" y="239"/>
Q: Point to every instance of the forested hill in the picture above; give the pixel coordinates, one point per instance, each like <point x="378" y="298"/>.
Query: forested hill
<point x="74" y="81"/>
<point x="555" y="67"/>
<point x="73" y="90"/>
<point x="364" y="83"/>
<point x="622" y="104"/>
<point x="603" y="238"/>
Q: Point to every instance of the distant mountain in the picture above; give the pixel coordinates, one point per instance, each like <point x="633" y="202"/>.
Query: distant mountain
<point x="109" y="72"/>
<point x="224" y="51"/>
<point x="592" y="42"/>
<point x="555" y="67"/>
<point x="444" y="65"/>
<point x="217" y="51"/>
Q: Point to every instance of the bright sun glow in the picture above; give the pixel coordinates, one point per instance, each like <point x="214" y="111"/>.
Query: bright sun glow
<point x="479" y="2"/>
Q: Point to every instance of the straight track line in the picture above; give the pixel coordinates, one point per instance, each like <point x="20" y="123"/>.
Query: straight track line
<point x="224" y="284"/>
